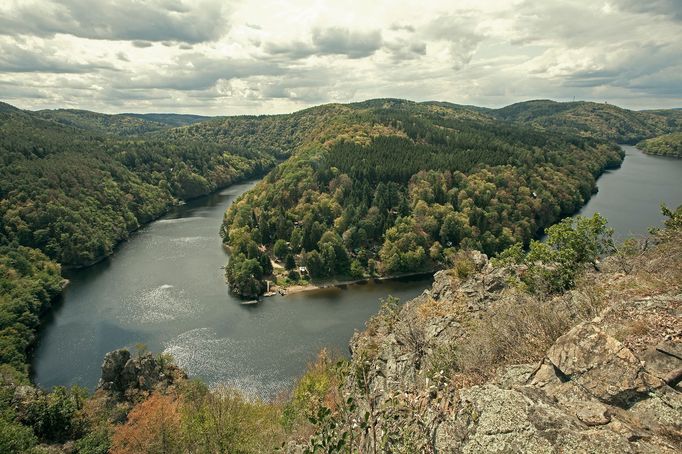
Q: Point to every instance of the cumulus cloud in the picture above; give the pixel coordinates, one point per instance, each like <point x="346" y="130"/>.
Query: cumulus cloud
<point x="329" y="41"/>
<point x="354" y="44"/>
<point x="153" y="20"/>
<point x="17" y="59"/>
<point x="271" y="56"/>
<point x="197" y="72"/>
<point x="667" y="8"/>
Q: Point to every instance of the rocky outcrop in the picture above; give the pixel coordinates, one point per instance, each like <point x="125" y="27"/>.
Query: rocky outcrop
<point x="609" y="384"/>
<point x="125" y="375"/>
<point x="590" y="394"/>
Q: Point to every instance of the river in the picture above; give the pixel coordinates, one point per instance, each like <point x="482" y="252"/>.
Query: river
<point x="630" y="196"/>
<point x="165" y="288"/>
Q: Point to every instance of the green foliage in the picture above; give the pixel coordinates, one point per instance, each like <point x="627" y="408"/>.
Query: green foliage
<point x="290" y="262"/>
<point x="551" y="266"/>
<point x="119" y="125"/>
<point x="74" y="191"/>
<point x="315" y="264"/>
<point x="400" y="183"/>
<point x="356" y="270"/>
<point x="15" y="437"/>
<point x="224" y="421"/>
<point x="674" y="221"/>
<point x="97" y="441"/>
<point x="244" y="276"/>
<point x="665" y="145"/>
<point x="604" y="121"/>
<point x="29" y="282"/>
<point x="55" y="416"/>
<point x="281" y="249"/>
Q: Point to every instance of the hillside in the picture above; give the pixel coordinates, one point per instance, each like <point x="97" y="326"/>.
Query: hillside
<point x="380" y="187"/>
<point x="116" y="125"/>
<point x="397" y="187"/>
<point x="604" y="121"/>
<point x="74" y="192"/>
<point x="481" y="364"/>
<point x="69" y="194"/>
<point x="665" y="145"/>
<point x="478" y="363"/>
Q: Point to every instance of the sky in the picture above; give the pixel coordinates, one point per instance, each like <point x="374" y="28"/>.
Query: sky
<point x="218" y="57"/>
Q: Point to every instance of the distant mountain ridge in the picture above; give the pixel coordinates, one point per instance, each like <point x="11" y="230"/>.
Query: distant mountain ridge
<point x="118" y="124"/>
<point x="604" y="121"/>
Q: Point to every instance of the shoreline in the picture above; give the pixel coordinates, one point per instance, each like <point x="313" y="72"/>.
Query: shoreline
<point x="176" y="204"/>
<point x="338" y="284"/>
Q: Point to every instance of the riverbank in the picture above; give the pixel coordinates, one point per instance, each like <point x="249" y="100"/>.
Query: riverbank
<point x="177" y="203"/>
<point x="312" y="286"/>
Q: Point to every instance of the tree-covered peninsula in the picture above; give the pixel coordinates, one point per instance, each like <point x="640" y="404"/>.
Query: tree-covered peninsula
<point x="388" y="187"/>
<point x="380" y="187"/>
<point x="665" y="145"/>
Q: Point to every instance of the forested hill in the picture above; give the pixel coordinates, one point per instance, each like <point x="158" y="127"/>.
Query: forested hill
<point x="74" y="192"/>
<point x="119" y="124"/>
<point x="665" y="145"/>
<point x="73" y="184"/>
<point x="604" y="121"/>
<point x="393" y="186"/>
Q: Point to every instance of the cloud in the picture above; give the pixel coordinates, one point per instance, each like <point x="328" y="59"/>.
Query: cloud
<point x="16" y="59"/>
<point x="402" y="49"/>
<point x="152" y="20"/>
<point x="142" y="44"/>
<point x="342" y="41"/>
<point x="459" y="32"/>
<point x="271" y="56"/>
<point x="668" y="8"/>
<point x="197" y="72"/>
<point x="403" y="27"/>
<point x="329" y="41"/>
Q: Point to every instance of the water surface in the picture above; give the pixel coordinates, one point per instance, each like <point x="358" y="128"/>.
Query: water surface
<point x="630" y="197"/>
<point x="165" y="288"/>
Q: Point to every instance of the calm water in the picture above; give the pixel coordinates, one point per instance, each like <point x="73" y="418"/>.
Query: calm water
<point x="630" y="197"/>
<point x="165" y="288"/>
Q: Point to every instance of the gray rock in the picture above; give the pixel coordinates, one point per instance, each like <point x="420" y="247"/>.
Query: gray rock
<point x="601" y="365"/>
<point x="112" y="369"/>
<point x="124" y="375"/>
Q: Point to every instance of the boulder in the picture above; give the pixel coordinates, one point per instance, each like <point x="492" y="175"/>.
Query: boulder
<point x="112" y="369"/>
<point x="601" y="365"/>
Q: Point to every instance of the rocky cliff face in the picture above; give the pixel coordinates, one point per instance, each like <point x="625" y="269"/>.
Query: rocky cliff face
<point x="473" y="365"/>
<point x="125" y="376"/>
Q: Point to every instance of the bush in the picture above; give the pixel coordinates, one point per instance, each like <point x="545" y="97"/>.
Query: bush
<point x="356" y="270"/>
<point x="222" y="420"/>
<point x="553" y="265"/>
<point x="56" y="417"/>
<point x="15" y="437"/>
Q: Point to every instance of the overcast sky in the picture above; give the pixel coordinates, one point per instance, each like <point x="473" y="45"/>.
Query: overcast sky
<point x="268" y="56"/>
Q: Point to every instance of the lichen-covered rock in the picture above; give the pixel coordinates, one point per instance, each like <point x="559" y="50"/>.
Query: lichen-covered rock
<point x="601" y="365"/>
<point x="112" y="370"/>
<point x="609" y="384"/>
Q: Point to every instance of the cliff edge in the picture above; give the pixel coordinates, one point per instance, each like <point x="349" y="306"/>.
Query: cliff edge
<point x="479" y="364"/>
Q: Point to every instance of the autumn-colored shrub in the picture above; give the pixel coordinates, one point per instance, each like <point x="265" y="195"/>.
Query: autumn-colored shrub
<point x="153" y="426"/>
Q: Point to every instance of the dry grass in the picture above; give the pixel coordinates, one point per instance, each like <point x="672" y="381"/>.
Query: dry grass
<point x="655" y="271"/>
<point x="521" y="328"/>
